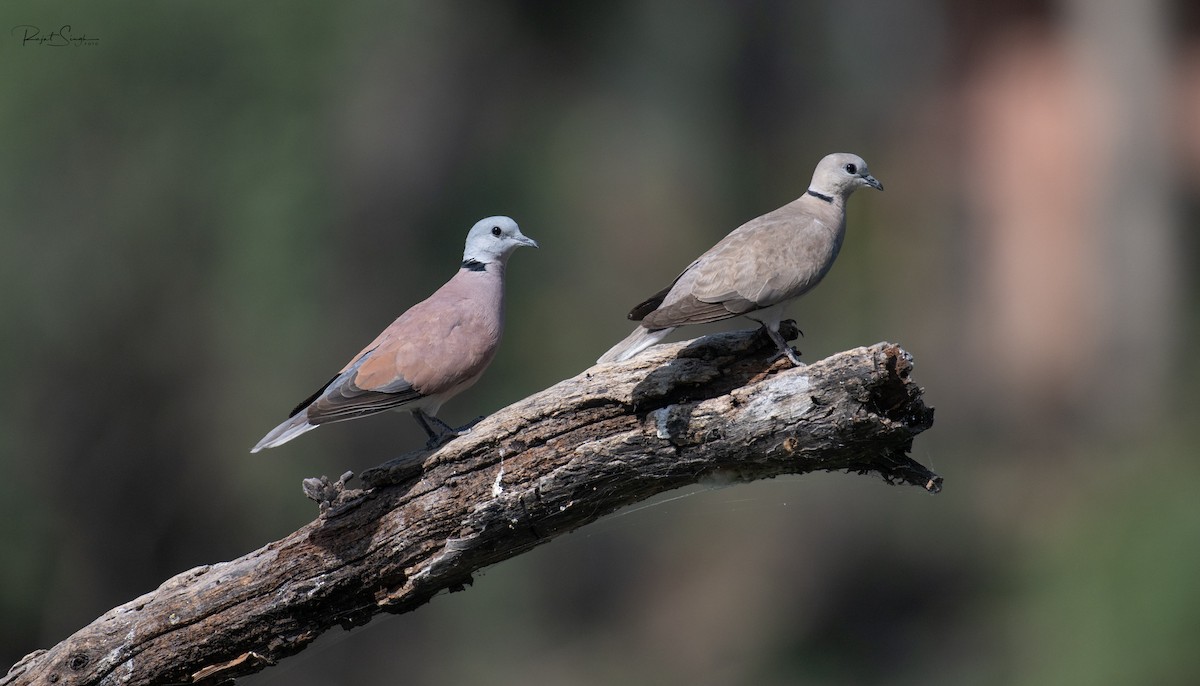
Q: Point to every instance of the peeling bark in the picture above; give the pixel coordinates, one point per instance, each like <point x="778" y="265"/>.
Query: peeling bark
<point x="718" y="408"/>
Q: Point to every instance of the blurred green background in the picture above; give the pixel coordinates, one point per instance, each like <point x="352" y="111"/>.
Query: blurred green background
<point x="213" y="205"/>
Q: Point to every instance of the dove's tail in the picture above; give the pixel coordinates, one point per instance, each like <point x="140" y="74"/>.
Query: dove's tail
<point x="636" y="342"/>
<point x="285" y="432"/>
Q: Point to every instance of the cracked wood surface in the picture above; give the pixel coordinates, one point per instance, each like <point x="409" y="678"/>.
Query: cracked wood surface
<point x="716" y="409"/>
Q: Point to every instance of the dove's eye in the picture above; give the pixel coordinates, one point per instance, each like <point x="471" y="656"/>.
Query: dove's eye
<point x="851" y="168"/>
<point x="496" y="231"/>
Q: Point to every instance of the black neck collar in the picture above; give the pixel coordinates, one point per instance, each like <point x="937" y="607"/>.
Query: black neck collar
<point x="474" y="265"/>
<point x="820" y="196"/>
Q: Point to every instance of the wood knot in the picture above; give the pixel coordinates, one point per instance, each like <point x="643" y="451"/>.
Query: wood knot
<point x="790" y="444"/>
<point x="77" y="662"/>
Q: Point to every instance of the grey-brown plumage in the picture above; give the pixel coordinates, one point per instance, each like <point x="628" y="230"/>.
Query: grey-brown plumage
<point x="432" y="352"/>
<point x="760" y="266"/>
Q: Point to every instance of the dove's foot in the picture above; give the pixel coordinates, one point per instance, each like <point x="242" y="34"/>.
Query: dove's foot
<point x="792" y="354"/>
<point x="466" y="428"/>
<point x="785" y="350"/>
<point x="439" y="432"/>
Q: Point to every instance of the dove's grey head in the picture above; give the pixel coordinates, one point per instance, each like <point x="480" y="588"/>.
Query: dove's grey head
<point x="493" y="240"/>
<point x="840" y="174"/>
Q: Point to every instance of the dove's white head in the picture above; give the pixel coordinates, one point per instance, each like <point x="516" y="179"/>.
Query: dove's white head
<point x="493" y="240"/>
<point x="840" y="174"/>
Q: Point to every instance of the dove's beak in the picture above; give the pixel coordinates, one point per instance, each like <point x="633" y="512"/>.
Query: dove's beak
<point x="526" y="240"/>
<point x="873" y="182"/>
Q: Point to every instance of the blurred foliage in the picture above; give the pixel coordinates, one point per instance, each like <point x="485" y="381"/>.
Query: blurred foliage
<point x="218" y="203"/>
<point x="1108" y="595"/>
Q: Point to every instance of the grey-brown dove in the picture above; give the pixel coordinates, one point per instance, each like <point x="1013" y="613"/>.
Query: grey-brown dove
<point x="432" y="352"/>
<point x="760" y="266"/>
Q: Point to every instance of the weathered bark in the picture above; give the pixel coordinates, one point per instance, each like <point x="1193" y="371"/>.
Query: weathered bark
<point x="719" y="409"/>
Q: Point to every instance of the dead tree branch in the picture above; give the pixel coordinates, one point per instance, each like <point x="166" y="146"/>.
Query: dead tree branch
<point x="716" y="409"/>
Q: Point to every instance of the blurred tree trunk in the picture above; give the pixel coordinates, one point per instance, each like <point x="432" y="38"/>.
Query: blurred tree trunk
<point x="1139" y="284"/>
<point x="1075" y="248"/>
<point x="719" y="409"/>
